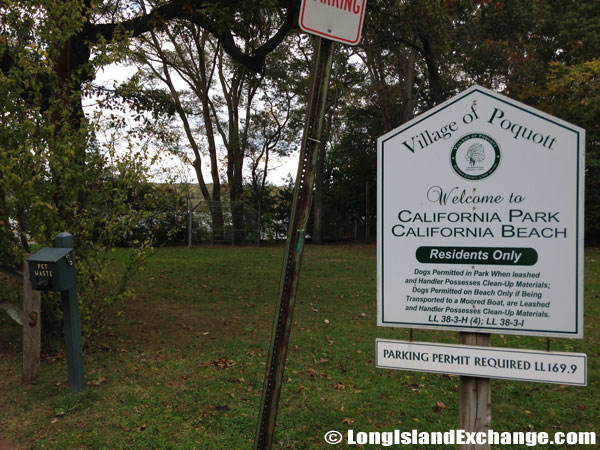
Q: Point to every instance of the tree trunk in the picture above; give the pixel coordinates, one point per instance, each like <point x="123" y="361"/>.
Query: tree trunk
<point x="368" y="211"/>
<point x="317" y="231"/>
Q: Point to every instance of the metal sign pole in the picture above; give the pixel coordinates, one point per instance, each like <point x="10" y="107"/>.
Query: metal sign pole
<point x="282" y="324"/>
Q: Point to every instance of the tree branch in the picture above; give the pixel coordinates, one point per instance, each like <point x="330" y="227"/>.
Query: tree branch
<point x="13" y="312"/>
<point x="191" y="10"/>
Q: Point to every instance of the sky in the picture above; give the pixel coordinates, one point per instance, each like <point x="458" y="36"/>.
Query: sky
<point x="108" y="75"/>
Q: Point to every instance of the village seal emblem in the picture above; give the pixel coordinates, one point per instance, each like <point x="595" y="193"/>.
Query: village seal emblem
<point x="475" y="156"/>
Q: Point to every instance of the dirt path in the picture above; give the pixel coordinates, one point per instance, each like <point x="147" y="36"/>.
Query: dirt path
<point x="5" y="445"/>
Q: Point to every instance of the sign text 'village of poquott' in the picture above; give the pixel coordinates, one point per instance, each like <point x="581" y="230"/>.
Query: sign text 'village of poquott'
<point x="480" y="219"/>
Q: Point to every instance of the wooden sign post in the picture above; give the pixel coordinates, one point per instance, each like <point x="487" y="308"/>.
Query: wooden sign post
<point x="475" y="403"/>
<point x="32" y="326"/>
<point x="53" y="269"/>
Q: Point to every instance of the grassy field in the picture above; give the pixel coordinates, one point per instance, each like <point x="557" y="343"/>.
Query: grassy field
<point x="181" y="366"/>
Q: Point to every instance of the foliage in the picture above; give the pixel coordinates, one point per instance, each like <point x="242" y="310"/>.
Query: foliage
<point x="415" y="54"/>
<point x="54" y="175"/>
<point x="572" y="92"/>
<point x="277" y="204"/>
<point x="228" y="118"/>
<point x="247" y="93"/>
<point x="349" y="169"/>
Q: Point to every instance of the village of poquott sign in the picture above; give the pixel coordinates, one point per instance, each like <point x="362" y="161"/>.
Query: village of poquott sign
<point x="480" y="219"/>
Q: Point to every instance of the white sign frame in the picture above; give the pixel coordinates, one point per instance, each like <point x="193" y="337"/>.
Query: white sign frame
<point x="485" y="362"/>
<point x="337" y="20"/>
<point x="418" y="156"/>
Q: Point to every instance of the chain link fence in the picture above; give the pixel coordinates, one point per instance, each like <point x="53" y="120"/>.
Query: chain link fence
<point x="223" y="223"/>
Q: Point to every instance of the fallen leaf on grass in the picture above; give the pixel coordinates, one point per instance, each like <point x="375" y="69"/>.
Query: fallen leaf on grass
<point x="348" y="421"/>
<point x="221" y="407"/>
<point x="439" y="406"/>
<point x="220" y="363"/>
<point x="98" y="381"/>
<point x="56" y="356"/>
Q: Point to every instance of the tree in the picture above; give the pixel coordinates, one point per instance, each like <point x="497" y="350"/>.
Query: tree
<point x="350" y="166"/>
<point x="403" y="67"/>
<point x="237" y="109"/>
<point x="54" y="176"/>
<point x="573" y="93"/>
<point x="415" y="54"/>
<point x="545" y="53"/>
<point x="192" y="62"/>
<point x="273" y="129"/>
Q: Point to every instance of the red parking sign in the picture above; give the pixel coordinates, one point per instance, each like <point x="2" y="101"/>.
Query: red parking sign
<point x="338" y="20"/>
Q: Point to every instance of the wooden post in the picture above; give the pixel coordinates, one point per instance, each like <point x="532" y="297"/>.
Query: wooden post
<point x="475" y="396"/>
<point x="32" y="325"/>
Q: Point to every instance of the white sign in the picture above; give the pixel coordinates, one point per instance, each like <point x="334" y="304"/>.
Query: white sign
<point x="338" y="20"/>
<point x="480" y="218"/>
<point x="486" y="362"/>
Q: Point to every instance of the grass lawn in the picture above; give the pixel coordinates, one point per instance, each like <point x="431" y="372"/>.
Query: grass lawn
<point x="181" y="366"/>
